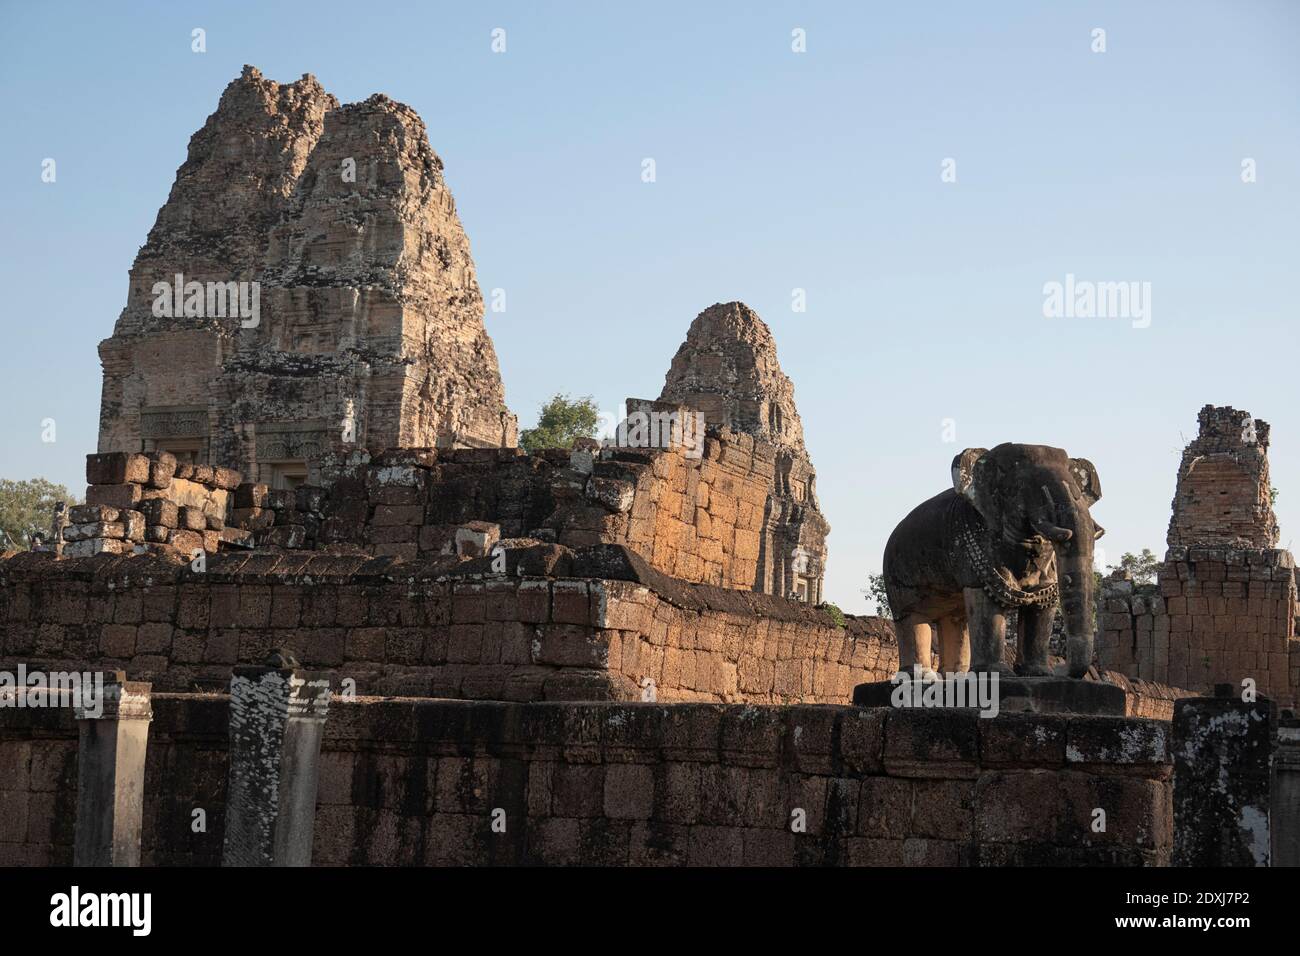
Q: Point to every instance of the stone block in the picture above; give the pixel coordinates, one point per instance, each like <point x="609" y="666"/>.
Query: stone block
<point x="116" y="468"/>
<point x="161" y="512"/>
<point x="475" y="539"/>
<point x="91" y="514"/>
<point x="932" y="742"/>
<point x="885" y="808"/>
<point x="84" y="532"/>
<point x="93" y="546"/>
<point x="251" y="495"/>
<point x="629" y="792"/>
<point x="1112" y="741"/>
<point x="192" y="519"/>
<point x="253" y="519"/>
<point x="227" y="479"/>
<point x="120" y="496"/>
<point x="570" y="602"/>
<point x="133" y="525"/>
<point x="187" y="542"/>
<point x="162" y="469"/>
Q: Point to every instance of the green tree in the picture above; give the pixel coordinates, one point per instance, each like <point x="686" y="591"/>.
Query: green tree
<point x="1140" y="567"/>
<point x="27" y="506"/>
<point x="561" y="421"/>
<point x="875" y="590"/>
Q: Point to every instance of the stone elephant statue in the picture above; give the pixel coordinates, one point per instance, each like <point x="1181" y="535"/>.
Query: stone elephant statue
<point x="1013" y="531"/>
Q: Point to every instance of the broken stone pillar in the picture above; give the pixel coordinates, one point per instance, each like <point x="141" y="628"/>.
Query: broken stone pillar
<point x="1221" y="748"/>
<point x="277" y="720"/>
<point x="1224" y="495"/>
<point x="114" y="725"/>
<point x="1285" y="802"/>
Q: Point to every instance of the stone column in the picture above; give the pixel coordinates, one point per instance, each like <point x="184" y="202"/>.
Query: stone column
<point x="1221" y="748"/>
<point x="1285" y="815"/>
<point x="114" y="732"/>
<point x="277" y="721"/>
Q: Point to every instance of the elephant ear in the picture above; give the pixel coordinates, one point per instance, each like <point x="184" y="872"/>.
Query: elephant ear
<point x="969" y="480"/>
<point x="1085" y="476"/>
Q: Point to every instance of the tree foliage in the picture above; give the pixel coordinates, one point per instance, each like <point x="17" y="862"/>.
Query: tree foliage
<point x="1140" y="567"/>
<point x="28" y="506"/>
<point x="834" y="611"/>
<point x="875" y="590"/>
<point x="561" y="421"/>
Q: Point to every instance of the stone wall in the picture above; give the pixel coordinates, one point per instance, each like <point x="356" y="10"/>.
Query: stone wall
<point x="1146" y="698"/>
<point x="705" y="518"/>
<point x="1215" y="615"/>
<point x="38" y="785"/>
<point x="151" y="502"/>
<point x="601" y="624"/>
<point x="416" y="782"/>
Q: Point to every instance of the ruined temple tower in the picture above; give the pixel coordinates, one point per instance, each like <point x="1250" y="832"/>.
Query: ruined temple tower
<point x="306" y="285"/>
<point x="727" y="368"/>
<point x="1223" y="497"/>
<point x="1223" y="606"/>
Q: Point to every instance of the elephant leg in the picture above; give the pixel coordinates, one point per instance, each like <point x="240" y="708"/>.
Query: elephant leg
<point x="1035" y="633"/>
<point x="988" y="632"/>
<point x="914" y="645"/>
<point x="954" y="645"/>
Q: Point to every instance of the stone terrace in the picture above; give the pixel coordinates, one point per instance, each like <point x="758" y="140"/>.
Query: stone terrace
<point x="594" y="624"/>
<point x="414" y="782"/>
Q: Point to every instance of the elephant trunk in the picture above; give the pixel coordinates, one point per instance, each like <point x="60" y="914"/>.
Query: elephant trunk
<point x="1074" y="567"/>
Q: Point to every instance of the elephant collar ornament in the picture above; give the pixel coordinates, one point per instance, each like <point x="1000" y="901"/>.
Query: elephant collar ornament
<point x="1014" y="531"/>
<point x="999" y="583"/>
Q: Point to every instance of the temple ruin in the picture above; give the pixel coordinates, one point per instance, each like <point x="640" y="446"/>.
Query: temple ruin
<point x="342" y="612"/>
<point x="728" y="370"/>
<point x="1223" y="607"/>
<point x="307" y="283"/>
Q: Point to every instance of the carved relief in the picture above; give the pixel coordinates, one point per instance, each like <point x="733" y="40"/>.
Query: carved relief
<point x="174" y="421"/>
<point x="279" y="441"/>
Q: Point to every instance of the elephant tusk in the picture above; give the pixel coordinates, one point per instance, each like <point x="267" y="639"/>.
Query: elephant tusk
<point x="1052" y="533"/>
<point x="1100" y="532"/>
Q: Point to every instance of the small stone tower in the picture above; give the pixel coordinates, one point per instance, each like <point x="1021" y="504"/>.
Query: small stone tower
<point x="727" y="369"/>
<point x="1223" y="497"/>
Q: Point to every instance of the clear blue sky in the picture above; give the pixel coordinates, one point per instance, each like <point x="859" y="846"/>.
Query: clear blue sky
<point x="776" y="171"/>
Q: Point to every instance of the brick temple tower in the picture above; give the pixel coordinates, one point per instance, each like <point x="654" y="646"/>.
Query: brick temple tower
<point x="307" y="284"/>
<point x="728" y="369"/>
<point x="1223" y="497"/>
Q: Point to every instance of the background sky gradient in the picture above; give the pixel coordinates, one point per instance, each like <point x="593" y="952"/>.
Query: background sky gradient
<point x="776" y="171"/>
